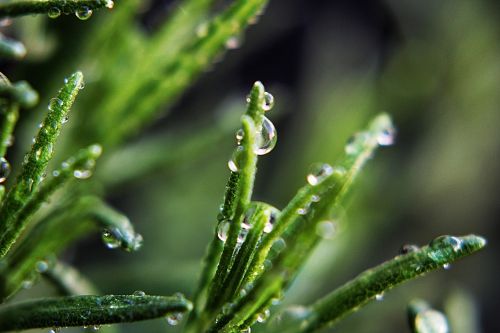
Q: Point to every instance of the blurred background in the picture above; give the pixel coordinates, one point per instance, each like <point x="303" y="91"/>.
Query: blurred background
<point x="331" y="66"/>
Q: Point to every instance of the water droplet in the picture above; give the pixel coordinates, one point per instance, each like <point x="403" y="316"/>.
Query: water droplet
<point x="235" y="161"/>
<point x="326" y="229"/>
<point x="65" y="119"/>
<point x="268" y="101"/>
<point x="223" y="229"/>
<point x="246" y="330"/>
<point x="82" y="174"/>
<point x="9" y="141"/>
<point x="242" y="236"/>
<point x="95" y="328"/>
<point x="110" y="239"/>
<point x="54" y="12"/>
<point x="38" y="153"/>
<point x="318" y="172"/>
<point x="267" y="265"/>
<point x="136" y="243"/>
<point x="447" y="241"/>
<point x="278" y="246"/>
<point x="226" y="308"/>
<point x="408" y="248"/>
<point x="270" y="224"/>
<point x="174" y="318"/>
<point x="4" y="169"/>
<point x="139" y="293"/>
<point x="82" y="85"/>
<point x="42" y="266"/>
<point x="266" y="137"/>
<point x="54" y="103"/>
<point x="447" y="266"/>
<point x="66" y="80"/>
<point x="431" y="321"/>
<point x="263" y="316"/>
<point x="56" y="173"/>
<point x="233" y="43"/>
<point x="27" y="284"/>
<point x="386" y="137"/>
<point x="240" y="134"/>
<point x="379" y="297"/>
<point x="109" y="4"/>
<point x="355" y="143"/>
<point x="83" y="13"/>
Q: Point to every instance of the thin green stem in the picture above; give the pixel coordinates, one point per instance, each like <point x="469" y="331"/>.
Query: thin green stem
<point x="11" y="48"/>
<point x="67" y="279"/>
<point x="9" y="8"/>
<point x="88" y="311"/>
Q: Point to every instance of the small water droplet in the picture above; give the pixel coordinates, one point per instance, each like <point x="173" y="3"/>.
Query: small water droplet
<point x="267" y="265"/>
<point x="83" y="13"/>
<point x="9" y="141"/>
<point x="447" y="266"/>
<point x="66" y="80"/>
<point x="326" y="229"/>
<point x="242" y="236"/>
<point x="223" y="229"/>
<point x="56" y="173"/>
<point x="278" y="245"/>
<point x="139" y="293"/>
<point x="240" y="134"/>
<point x="318" y="172"/>
<point x="233" y="43"/>
<point x="304" y="210"/>
<point x="136" y="243"/>
<point x="386" y="137"/>
<point x="246" y="330"/>
<point x="65" y="119"/>
<point x="54" y="12"/>
<point x="82" y="85"/>
<point x="54" y="103"/>
<point x="408" y="248"/>
<point x="268" y="101"/>
<point x="95" y="328"/>
<point x="174" y="318"/>
<point x="4" y="169"/>
<point x="82" y="174"/>
<point x="235" y="161"/>
<point x="109" y="4"/>
<point x="266" y="138"/>
<point x="38" y="153"/>
<point x="379" y="297"/>
<point x="42" y="266"/>
<point x="263" y="316"/>
<point x="270" y="224"/>
<point x="27" y="284"/>
<point x="110" y="239"/>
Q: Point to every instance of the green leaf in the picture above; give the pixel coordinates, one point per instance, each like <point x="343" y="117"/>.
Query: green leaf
<point x="36" y="161"/>
<point x="351" y="296"/>
<point x="11" y="48"/>
<point x="54" y="8"/>
<point x="89" y="311"/>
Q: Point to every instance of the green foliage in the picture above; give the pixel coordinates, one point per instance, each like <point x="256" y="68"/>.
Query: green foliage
<point x="257" y="250"/>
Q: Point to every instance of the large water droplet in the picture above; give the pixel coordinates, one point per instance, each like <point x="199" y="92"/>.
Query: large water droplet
<point x="326" y="229"/>
<point x="4" y="169"/>
<point x="268" y="102"/>
<point x="223" y="229"/>
<point x="83" y="13"/>
<point x="234" y="163"/>
<point x="110" y="239"/>
<point x="54" y="12"/>
<point x="174" y="318"/>
<point x="266" y="137"/>
<point x="440" y="247"/>
<point x="318" y="172"/>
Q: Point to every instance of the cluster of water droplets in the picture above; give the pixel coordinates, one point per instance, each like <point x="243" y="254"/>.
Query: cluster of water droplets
<point x="82" y="12"/>
<point x="4" y="169"/>
<point x="265" y="138"/>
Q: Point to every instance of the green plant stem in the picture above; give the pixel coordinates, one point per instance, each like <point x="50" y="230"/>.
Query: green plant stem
<point x="36" y="162"/>
<point x="20" y="92"/>
<point x="11" y="48"/>
<point x="29" y="7"/>
<point x="88" y="311"/>
<point x="67" y="279"/>
<point x="359" y="291"/>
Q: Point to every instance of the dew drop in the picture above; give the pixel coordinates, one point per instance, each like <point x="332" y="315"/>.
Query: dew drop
<point x="65" y="119"/>
<point x="54" y="103"/>
<point x="83" y="13"/>
<point x="42" y="266"/>
<point x="263" y="316"/>
<point x="266" y="137"/>
<point x="38" y="153"/>
<point x="318" y="172"/>
<point x="379" y="297"/>
<point x="408" y="248"/>
<point x="431" y="321"/>
<point x="233" y="43"/>
<point x="174" y="318"/>
<point x="4" y="169"/>
<point x="235" y="161"/>
<point x="27" y="284"/>
<point x="386" y="137"/>
<point x="246" y="330"/>
<point x="54" y="12"/>
<point x="110" y="239"/>
<point x="240" y="134"/>
<point x="109" y="4"/>
<point x="82" y="174"/>
<point x="270" y="224"/>
<point x="226" y="308"/>
<point x="56" y="173"/>
<point x="447" y="241"/>
<point x="139" y="293"/>
<point x="268" y="101"/>
<point x="136" y="243"/>
<point x="95" y="328"/>
<point x="222" y="230"/>
<point x="447" y="266"/>
<point x="326" y="229"/>
<point x="242" y="235"/>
